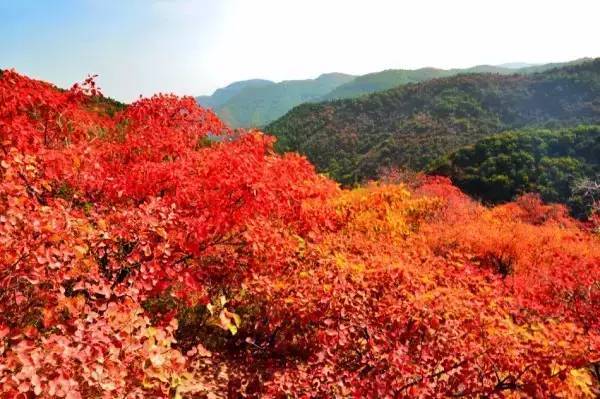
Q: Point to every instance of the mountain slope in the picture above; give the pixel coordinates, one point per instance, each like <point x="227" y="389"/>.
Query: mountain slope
<point x="551" y="163"/>
<point x="391" y="78"/>
<point x="414" y="124"/>
<point x="221" y="96"/>
<point x="256" y="102"/>
<point x="140" y="260"/>
<point x="257" y="105"/>
<point x="516" y="65"/>
<point x="383" y="80"/>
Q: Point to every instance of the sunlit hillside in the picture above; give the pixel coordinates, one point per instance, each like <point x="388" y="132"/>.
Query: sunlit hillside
<point x="149" y="251"/>
<point x="413" y="125"/>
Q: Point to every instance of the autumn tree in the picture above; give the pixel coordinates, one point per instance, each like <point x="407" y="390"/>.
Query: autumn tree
<point x="149" y="250"/>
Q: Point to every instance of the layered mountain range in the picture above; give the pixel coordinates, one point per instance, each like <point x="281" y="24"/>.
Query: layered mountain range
<point x="256" y="102"/>
<point x="412" y="125"/>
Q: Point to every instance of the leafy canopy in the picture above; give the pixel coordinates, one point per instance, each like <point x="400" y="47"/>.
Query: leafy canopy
<point x="413" y="125"/>
<point x="551" y="163"/>
<point x="150" y="251"/>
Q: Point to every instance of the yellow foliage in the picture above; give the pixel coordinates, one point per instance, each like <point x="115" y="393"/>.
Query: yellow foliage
<point x="581" y="384"/>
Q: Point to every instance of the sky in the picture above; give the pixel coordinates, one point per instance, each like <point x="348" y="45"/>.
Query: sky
<point x="192" y="47"/>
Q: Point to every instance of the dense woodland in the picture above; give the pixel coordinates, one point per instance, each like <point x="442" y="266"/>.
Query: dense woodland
<point x="140" y="257"/>
<point x="414" y="125"/>
<point x="554" y="164"/>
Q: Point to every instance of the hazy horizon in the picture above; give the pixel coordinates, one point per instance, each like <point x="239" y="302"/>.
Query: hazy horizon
<point x="194" y="47"/>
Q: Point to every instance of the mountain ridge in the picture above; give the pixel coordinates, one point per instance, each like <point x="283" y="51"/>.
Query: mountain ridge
<point x="222" y="95"/>
<point x="412" y="125"/>
<point x="257" y="102"/>
<point x="254" y="106"/>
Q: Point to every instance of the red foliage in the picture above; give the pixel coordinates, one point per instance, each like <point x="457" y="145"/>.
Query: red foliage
<point x="153" y="252"/>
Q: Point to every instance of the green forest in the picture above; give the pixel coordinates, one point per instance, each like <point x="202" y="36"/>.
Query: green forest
<point x="413" y="125"/>
<point x="557" y="164"/>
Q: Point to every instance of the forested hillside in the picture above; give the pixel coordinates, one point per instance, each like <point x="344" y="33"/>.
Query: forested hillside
<point x="391" y="78"/>
<point x="141" y="259"/>
<point x="412" y="125"/>
<point x="555" y="164"/>
<point x="257" y="102"/>
<point x="383" y="80"/>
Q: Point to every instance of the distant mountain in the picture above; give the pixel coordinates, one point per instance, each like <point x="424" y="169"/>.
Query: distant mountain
<point x="379" y="81"/>
<point x="255" y="103"/>
<point x="414" y="124"/>
<point x="258" y="102"/>
<point x="221" y="96"/>
<point x="388" y="79"/>
<point x="553" y="65"/>
<point x="383" y="80"/>
<point x="517" y="65"/>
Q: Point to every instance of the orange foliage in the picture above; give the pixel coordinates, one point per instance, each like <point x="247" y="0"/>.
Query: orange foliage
<point x="157" y="253"/>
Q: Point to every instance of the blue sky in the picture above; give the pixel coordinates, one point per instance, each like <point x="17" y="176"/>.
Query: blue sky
<point x="136" y="46"/>
<point x="194" y="46"/>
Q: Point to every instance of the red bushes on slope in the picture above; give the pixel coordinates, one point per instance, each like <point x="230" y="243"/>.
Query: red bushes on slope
<point x="140" y="256"/>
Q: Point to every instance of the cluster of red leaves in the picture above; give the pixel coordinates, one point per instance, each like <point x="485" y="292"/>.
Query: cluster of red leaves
<point x="153" y="252"/>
